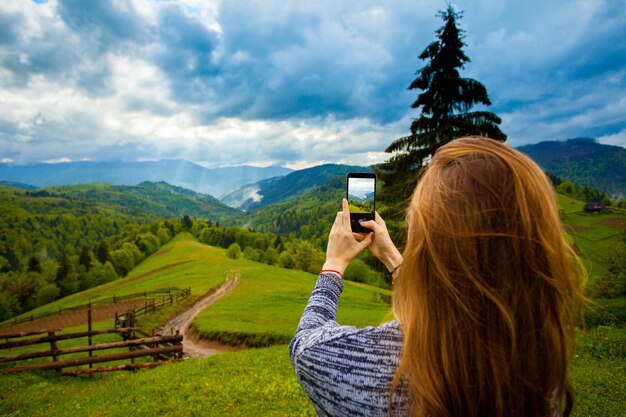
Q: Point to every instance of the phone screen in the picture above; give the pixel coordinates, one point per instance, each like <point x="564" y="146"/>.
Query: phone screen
<point x="361" y="191"/>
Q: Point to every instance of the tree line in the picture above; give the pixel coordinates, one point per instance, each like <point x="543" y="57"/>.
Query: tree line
<point x="43" y="258"/>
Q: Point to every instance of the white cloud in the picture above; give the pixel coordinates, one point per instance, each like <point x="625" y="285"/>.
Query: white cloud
<point x="617" y="139"/>
<point x="60" y="160"/>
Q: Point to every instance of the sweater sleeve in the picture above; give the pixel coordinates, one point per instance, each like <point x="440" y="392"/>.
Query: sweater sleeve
<point x="345" y="370"/>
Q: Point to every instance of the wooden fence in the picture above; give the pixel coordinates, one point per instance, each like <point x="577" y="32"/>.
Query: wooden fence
<point x="160" y="293"/>
<point x="160" y="348"/>
<point x="128" y="319"/>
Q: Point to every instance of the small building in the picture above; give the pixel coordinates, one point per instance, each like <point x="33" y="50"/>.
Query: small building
<point x="594" y="207"/>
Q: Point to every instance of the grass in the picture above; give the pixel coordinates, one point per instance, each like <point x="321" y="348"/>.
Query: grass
<point x="594" y="234"/>
<point x="268" y="302"/>
<point x="260" y="382"/>
<point x="256" y="382"/>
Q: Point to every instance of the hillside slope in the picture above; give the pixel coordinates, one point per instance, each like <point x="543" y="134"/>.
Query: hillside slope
<point x="157" y="199"/>
<point x="583" y="162"/>
<point x="263" y="193"/>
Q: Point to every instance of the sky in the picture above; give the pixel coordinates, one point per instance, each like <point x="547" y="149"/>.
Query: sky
<point x="361" y="187"/>
<point x="290" y="83"/>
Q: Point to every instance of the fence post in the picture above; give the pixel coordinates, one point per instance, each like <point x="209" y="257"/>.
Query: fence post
<point x="89" y="337"/>
<point x="155" y="356"/>
<point x="179" y="355"/>
<point x="53" y="347"/>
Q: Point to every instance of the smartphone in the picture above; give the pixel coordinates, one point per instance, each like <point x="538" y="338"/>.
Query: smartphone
<point x="361" y="196"/>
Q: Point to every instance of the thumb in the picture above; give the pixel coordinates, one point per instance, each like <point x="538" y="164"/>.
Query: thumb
<point x="372" y="225"/>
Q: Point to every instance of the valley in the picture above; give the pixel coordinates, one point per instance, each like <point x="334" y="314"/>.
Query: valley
<point x="66" y="245"/>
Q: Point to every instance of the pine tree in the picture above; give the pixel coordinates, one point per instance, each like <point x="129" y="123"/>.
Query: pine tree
<point x="102" y="253"/>
<point x="445" y="104"/>
<point x="34" y="265"/>
<point x="85" y="257"/>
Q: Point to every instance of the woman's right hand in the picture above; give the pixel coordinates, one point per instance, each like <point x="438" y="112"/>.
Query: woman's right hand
<point x="382" y="247"/>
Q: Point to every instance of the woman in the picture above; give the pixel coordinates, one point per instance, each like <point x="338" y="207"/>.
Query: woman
<point x="482" y="297"/>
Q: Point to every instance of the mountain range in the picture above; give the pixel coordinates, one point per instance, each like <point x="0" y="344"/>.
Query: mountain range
<point x="212" y="181"/>
<point x="581" y="161"/>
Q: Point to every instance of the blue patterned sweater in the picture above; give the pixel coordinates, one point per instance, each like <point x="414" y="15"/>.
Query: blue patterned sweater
<point x="346" y="370"/>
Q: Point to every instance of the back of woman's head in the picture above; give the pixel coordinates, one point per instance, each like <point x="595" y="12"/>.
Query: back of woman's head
<point x="484" y="291"/>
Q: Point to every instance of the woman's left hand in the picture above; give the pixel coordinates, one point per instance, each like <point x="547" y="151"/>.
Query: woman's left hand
<point x="342" y="243"/>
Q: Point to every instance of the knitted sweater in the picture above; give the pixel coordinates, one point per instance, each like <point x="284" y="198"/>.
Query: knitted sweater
<point x="346" y="370"/>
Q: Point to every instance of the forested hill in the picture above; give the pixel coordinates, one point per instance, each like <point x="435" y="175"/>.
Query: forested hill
<point x="583" y="161"/>
<point x="277" y="189"/>
<point x="159" y="200"/>
<point x="19" y="185"/>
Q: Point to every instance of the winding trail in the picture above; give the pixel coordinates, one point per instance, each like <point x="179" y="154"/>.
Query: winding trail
<point x="193" y="346"/>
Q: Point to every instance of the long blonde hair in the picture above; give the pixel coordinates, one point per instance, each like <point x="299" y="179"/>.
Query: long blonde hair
<point x="485" y="289"/>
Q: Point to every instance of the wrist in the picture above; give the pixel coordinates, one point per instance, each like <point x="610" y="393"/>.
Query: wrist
<point x="339" y="267"/>
<point x="393" y="261"/>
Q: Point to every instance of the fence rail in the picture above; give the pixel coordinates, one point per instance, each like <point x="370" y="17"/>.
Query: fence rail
<point x="128" y="319"/>
<point x="159" y="293"/>
<point x="158" y="347"/>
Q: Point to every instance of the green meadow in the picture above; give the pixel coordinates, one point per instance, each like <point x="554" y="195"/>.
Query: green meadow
<point x="594" y="234"/>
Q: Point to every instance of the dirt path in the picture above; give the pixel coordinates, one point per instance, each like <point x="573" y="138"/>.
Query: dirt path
<point x="194" y="347"/>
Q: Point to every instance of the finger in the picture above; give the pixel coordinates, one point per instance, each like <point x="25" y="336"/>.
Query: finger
<point x="346" y="214"/>
<point x="370" y="224"/>
<point x="378" y="219"/>
<point x="366" y="242"/>
<point x="359" y="236"/>
<point x="337" y="221"/>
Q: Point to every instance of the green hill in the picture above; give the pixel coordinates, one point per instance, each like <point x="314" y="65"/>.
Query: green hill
<point x="158" y="199"/>
<point x="584" y="162"/>
<point x="278" y="189"/>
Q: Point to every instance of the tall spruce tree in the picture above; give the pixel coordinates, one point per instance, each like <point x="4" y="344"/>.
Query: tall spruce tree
<point x="445" y="104"/>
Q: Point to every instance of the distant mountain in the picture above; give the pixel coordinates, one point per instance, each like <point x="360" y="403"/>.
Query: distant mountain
<point x="160" y="200"/>
<point x="272" y="190"/>
<point x="17" y="185"/>
<point x="583" y="161"/>
<point x="214" y="181"/>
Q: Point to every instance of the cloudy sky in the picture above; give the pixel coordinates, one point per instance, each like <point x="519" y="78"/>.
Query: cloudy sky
<point x="293" y="83"/>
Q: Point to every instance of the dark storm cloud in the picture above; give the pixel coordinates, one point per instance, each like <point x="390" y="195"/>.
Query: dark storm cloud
<point x="102" y="19"/>
<point x="186" y="54"/>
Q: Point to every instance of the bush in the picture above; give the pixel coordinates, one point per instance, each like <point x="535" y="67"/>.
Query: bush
<point x="271" y="256"/>
<point x="286" y="260"/>
<point x="358" y="271"/>
<point x="233" y="251"/>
